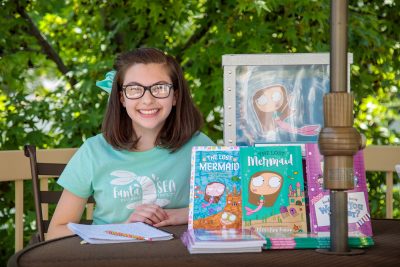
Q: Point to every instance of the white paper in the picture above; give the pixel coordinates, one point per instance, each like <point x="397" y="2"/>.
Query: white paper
<point x="97" y="234"/>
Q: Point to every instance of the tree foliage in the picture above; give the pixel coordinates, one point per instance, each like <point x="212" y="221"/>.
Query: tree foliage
<point x="52" y="52"/>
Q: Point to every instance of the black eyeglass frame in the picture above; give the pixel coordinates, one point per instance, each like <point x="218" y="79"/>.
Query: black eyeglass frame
<point x="148" y="88"/>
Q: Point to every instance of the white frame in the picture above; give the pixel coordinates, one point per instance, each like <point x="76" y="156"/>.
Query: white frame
<point x="231" y="61"/>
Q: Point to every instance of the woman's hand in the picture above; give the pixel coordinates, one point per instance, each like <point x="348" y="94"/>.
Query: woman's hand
<point x="175" y="217"/>
<point x="148" y="213"/>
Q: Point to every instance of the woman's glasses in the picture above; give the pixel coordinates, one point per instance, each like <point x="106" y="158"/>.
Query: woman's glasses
<point x="135" y="91"/>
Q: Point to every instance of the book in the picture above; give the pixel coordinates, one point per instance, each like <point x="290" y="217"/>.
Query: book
<point x="222" y="241"/>
<point x="215" y="188"/>
<point x="273" y="197"/>
<point x="118" y="233"/>
<point x="358" y="205"/>
<point x="287" y="240"/>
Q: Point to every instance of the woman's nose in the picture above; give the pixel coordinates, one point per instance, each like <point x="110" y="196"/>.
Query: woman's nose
<point x="147" y="97"/>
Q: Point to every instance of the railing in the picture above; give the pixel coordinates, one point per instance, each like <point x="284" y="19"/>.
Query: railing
<point x="14" y="167"/>
<point x="384" y="159"/>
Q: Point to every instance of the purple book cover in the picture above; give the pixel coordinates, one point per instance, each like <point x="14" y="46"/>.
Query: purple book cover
<point x="358" y="207"/>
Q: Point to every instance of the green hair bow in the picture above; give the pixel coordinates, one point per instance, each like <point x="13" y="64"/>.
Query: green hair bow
<point x="106" y="84"/>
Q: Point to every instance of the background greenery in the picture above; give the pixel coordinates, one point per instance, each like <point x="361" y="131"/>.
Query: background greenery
<point x="52" y="52"/>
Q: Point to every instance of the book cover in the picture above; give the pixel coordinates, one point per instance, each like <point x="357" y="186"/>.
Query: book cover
<point x="215" y="188"/>
<point x="358" y="207"/>
<point x="273" y="189"/>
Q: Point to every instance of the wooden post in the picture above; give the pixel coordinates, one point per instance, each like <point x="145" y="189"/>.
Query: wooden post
<point x="19" y="215"/>
<point x="389" y="195"/>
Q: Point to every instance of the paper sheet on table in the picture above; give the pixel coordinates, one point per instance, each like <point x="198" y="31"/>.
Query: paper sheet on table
<point x="97" y="234"/>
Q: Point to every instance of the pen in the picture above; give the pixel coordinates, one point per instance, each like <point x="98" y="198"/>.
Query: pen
<point x="138" y="237"/>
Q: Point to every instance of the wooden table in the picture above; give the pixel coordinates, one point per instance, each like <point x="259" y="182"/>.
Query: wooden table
<point x="69" y="252"/>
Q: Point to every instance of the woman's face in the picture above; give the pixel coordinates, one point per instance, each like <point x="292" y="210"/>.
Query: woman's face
<point x="148" y="113"/>
<point x="266" y="183"/>
<point x="271" y="99"/>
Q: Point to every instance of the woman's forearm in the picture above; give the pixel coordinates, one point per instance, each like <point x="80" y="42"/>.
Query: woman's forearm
<point x="58" y="231"/>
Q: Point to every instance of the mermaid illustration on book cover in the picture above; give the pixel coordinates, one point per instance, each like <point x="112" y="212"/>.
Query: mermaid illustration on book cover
<point x="264" y="188"/>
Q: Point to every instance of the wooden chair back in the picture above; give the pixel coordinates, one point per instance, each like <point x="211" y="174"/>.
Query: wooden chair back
<point x="41" y="197"/>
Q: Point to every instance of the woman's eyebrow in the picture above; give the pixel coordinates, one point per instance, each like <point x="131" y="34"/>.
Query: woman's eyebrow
<point x="133" y="83"/>
<point x="136" y="83"/>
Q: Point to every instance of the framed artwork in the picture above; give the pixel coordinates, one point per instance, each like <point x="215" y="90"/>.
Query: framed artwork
<point x="274" y="98"/>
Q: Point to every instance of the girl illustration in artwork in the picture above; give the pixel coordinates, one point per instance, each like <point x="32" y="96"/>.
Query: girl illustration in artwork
<point x="213" y="193"/>
<point x="264" y="188"/>
<point x="271" y="105"/>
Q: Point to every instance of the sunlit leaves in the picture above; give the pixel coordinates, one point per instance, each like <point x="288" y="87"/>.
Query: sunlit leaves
<point x="39" y="105"/>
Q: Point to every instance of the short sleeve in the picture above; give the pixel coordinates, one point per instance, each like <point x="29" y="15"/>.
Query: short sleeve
<point x="200" y="139"/>
<point x="78" y="174"/>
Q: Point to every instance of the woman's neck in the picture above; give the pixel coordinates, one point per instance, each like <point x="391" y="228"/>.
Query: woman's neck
<point x="146" y="141"/>
<point x="144" y="146"/>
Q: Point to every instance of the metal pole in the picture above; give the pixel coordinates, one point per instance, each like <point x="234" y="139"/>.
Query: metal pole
<point x="338" y="140"/>
<point x="338" y="55"/>
<point x="338" y="219"/>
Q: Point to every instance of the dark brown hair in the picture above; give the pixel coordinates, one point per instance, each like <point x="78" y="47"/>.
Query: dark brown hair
<point x="183" y="121"/>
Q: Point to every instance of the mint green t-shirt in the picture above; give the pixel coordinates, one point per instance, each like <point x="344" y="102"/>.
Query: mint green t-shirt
<point x="119" y="180"/>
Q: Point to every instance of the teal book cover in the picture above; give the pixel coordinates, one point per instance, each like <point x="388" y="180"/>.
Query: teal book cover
<point x="215" y="194"/>
<point x="273" y="198"/>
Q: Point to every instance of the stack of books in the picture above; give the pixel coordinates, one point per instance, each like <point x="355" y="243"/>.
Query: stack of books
<point x="222" y="241"/>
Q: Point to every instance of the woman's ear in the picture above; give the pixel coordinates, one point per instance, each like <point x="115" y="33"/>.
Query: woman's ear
<point x="122" y="99"/>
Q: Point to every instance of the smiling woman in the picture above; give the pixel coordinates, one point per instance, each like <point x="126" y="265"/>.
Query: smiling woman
<point x="150" y="125"/>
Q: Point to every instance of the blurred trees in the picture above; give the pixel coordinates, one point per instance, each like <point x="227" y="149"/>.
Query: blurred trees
<point x="52" y="52"/>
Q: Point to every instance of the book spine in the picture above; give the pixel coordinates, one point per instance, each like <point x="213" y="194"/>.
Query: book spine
<point x="191" y="194"/>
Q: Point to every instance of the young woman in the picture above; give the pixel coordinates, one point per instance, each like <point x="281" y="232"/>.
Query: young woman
<point x="138" y="169"/>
